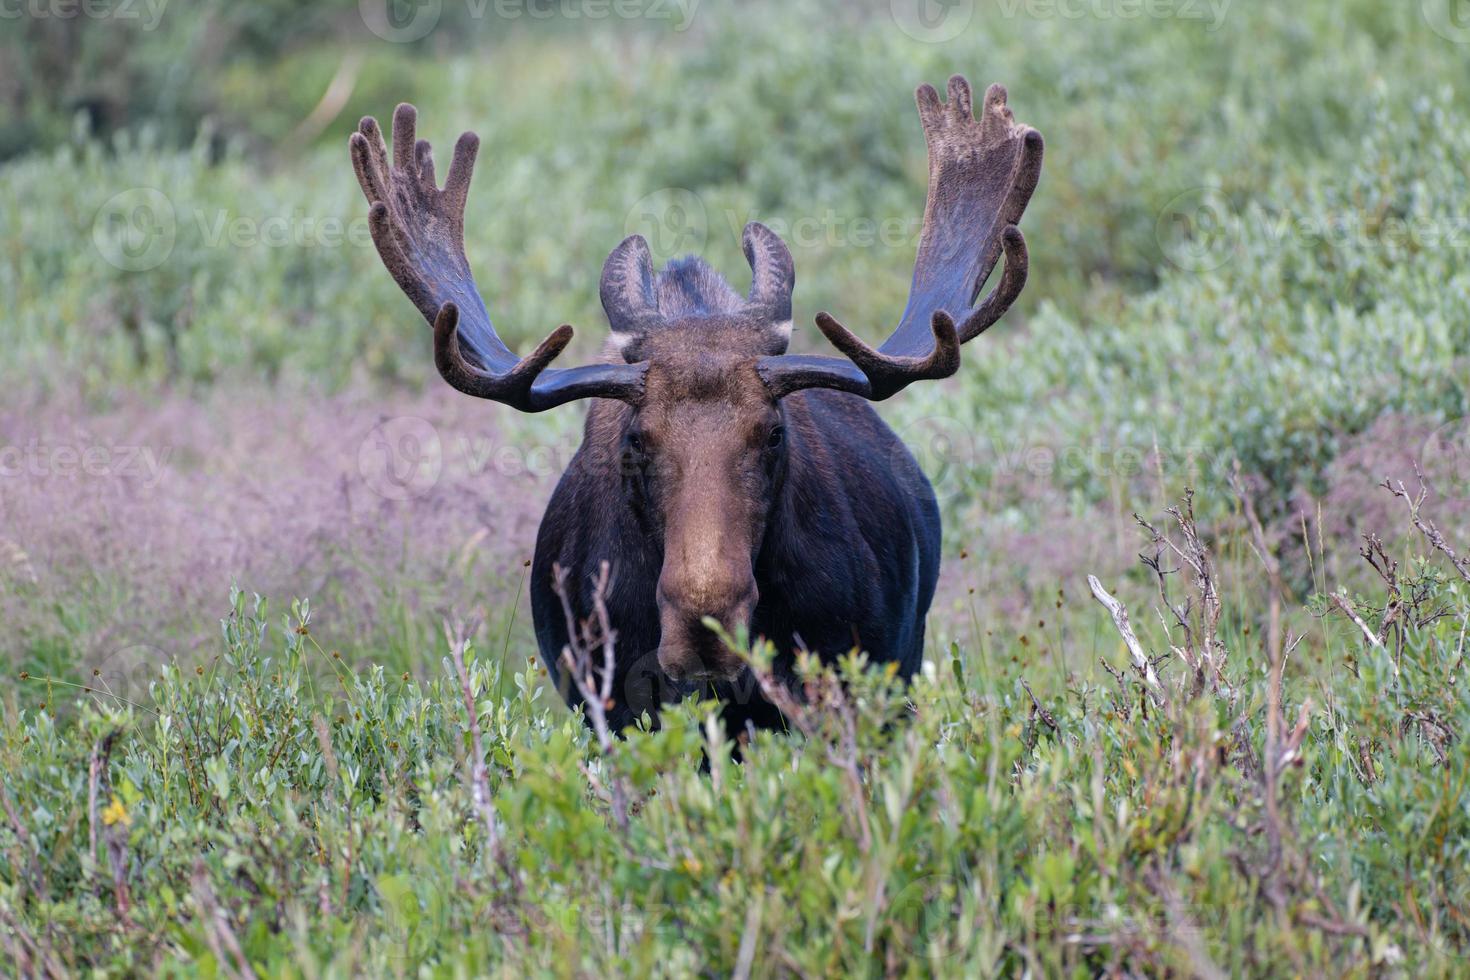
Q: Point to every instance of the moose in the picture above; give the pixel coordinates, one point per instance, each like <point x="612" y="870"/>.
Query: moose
<point x="723" y="478"/>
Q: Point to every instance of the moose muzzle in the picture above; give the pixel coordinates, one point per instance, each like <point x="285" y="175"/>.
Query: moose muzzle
<point x="689" y="650"/>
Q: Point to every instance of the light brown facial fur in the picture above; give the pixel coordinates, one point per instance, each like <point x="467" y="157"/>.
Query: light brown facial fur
<point x="705" y="449"/>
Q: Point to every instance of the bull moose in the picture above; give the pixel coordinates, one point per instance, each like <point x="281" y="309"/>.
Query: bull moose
<point x="721" y="476"/>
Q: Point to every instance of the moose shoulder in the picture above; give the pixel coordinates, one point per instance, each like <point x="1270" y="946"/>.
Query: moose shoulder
<point x="722" y="477"/>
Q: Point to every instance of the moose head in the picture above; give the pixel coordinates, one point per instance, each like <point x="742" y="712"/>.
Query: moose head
<point x="729" y="464"/>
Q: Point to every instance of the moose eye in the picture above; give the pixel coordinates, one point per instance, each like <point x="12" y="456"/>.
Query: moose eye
<point x="635" y="442"/>
<point x="773" y="441"/>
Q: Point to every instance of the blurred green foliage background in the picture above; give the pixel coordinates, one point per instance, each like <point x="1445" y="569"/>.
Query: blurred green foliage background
<point x="1248" y="257"/>
<point x="1249" y="239"/>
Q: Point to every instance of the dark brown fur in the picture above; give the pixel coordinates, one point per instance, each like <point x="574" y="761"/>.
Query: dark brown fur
<point x="726" y="481"/>
<point x="828" y="541"/>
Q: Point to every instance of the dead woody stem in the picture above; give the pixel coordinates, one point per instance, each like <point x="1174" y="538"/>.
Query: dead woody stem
<point x="594" y="683"/>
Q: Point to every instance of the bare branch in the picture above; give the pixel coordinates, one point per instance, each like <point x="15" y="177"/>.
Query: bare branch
<point x="1268" y="560"/>
<point x="458" y="638"/>
<point x="38" y="880"/>
<point x="1427" y="527"/>
<point x="1045" y="716"/>
<point x="594" y="684"/>
<point x="1141" y="663"/>
<point x="31" y="957"/>
<point x="1341" y="601"/>
<point x="217" y="932"/>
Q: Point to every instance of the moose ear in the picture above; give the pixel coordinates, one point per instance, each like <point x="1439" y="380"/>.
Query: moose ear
<point x="627" y="286"/>
<point x="772" y="273"/>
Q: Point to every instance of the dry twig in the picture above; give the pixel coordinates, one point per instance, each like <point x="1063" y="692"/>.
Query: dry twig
<point x="1141" y="662"/>
<point x="1341" y="601"/>
<point x="594" y="683"/>
<point x="1427" y="527"/>
<point x="1268" y="560"/>
<point x="38" y="880"/>
<point x="98" y="783"/>
<point x="29" y="955"/>
<point x="217" y="931"/>
<point x="1045" y="716"/>
<point x="458" y="637"/>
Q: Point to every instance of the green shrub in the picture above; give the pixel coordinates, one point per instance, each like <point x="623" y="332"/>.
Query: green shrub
<point x="324" y="818"/>
<point x="1219" y="266"/>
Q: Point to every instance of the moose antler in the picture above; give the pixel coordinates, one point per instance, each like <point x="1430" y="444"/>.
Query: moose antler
<point x="981" y="176"/>
<point x="419" y="232"/>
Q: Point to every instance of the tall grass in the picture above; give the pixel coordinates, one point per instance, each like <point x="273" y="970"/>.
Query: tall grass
<point x="1248" y="278"/>
<point x="275" y="810"/>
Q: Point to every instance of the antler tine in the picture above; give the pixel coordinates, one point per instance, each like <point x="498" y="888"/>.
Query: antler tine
<point x="513" y="387"/>
<point x="982" y="173"/>
<point x="419" y="232"/>
<point x="1012" y="282"/>
<point x="888" y="374"/>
